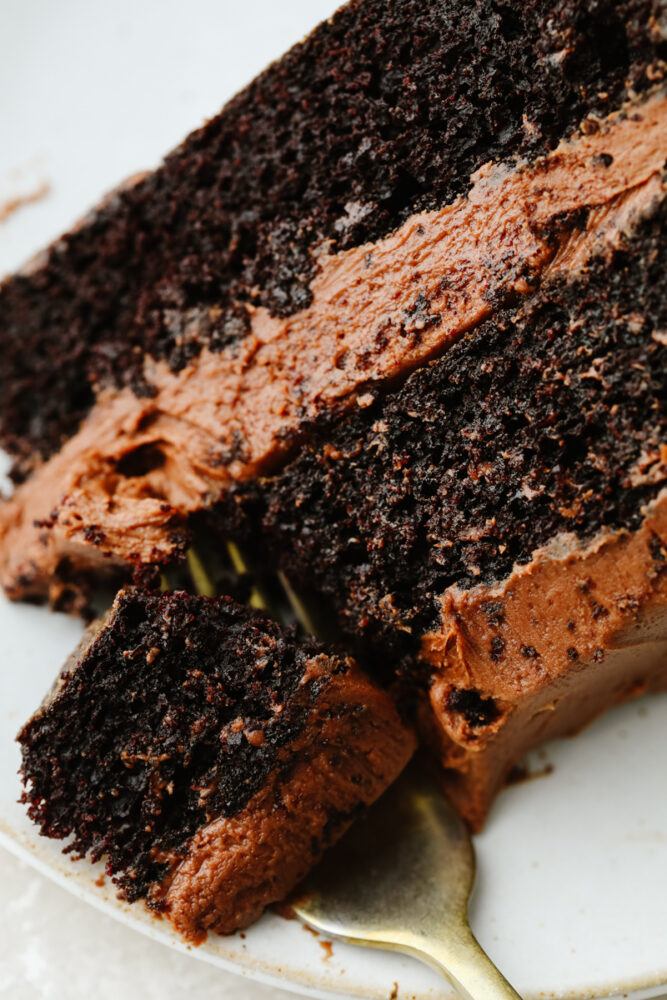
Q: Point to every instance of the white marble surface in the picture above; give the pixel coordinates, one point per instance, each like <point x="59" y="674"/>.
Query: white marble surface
<point x="55" y="947"/>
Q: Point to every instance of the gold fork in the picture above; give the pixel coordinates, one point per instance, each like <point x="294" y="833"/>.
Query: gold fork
<point x="401" y="878"/>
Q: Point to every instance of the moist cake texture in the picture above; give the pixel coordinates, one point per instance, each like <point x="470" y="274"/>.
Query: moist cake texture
<point x="207" y="755"/>
<point x="384" y="111"/>
<point x="121" y="487"/>
<point x="535" y="447"/>
<point x="549" y="419"/>
<point x="396" y="316"/>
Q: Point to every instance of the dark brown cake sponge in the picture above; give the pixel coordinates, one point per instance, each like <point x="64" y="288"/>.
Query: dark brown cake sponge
<point x="181" y="711"/>
<point x="386" y="109"/>
<point x="547" y="419"/>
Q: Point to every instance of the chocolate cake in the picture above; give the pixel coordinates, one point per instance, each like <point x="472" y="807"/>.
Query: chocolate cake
<point x="207" y="754"/>
<point x="397" y="315"/>
<point x="496" y="529"/>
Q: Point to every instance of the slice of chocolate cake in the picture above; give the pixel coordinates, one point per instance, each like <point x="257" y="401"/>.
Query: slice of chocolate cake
<point x="401" y="305"/>
<point x="496" y="529"/>
<point x="207" y="755"/>
<point x="376" y="193"/>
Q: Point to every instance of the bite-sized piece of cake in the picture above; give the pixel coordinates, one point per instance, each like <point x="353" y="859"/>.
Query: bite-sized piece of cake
<point x="372" y="196"/>
<point x="208" y="755"/>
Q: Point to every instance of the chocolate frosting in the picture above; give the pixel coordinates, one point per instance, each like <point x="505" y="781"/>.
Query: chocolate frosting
<point x="120" y="489"/>
<point x="354" y="746"/>
<point x="564" y="637"/>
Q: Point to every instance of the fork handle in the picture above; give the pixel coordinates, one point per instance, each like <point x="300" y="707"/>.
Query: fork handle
<point x="466" y="966"/>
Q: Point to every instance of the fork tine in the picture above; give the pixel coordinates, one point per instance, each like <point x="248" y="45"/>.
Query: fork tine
<point x="243" y="566"/>
<point x="301" y="611"/>
<point x="260" y="597"/>
<point x="203" y="583"/>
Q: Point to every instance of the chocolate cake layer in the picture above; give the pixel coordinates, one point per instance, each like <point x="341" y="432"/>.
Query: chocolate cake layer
<point x="550" y="418"/>
<point x="206" y="754"/>
<point x="537" y="441"/>
<point x="386" y="110"/>
<point x="121" y="487"/>
<point x="400" y="306"/>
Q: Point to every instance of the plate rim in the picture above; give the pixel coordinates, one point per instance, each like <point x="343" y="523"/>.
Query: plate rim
<point x="21" y="846"/>
<point x="26" y="853"/>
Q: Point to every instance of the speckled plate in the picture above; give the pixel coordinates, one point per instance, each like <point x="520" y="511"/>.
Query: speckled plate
<point x="571" y="897"/>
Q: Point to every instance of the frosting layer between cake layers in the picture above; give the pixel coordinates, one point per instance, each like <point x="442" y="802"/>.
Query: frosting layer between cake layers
<point x="121" y="488"/>
<point x="494" y="529"/>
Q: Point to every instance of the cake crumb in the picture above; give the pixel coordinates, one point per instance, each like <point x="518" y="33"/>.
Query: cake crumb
<point x="12" y="205"/>
<point x="327" y="948"/>
<point x="521" y="773"/>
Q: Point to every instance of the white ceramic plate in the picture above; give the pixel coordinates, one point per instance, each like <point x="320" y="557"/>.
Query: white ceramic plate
<point x="571" y="889"/>
<point x="571" y="897"/>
